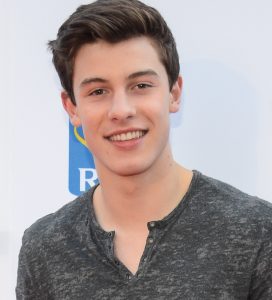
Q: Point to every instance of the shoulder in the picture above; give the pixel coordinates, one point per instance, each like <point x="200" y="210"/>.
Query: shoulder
<point x="59" y="225"/>
<point x="48" y="242"/>
<point x="231" y="204"/>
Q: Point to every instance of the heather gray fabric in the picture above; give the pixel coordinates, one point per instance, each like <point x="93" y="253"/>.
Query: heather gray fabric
<point x="217" y="244"/>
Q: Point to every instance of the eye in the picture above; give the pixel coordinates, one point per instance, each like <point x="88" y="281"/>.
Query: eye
<point x="142" y="86"/>
<point x="97" y="92"/>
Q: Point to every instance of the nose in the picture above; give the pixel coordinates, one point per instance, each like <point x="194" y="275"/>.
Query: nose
<point x="121" y="108"/>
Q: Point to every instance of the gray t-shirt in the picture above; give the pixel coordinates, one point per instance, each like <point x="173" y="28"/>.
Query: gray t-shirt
<point x="216" y="244"/>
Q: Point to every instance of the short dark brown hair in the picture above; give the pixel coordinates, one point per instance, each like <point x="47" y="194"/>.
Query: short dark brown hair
<point x="112" y="21"/>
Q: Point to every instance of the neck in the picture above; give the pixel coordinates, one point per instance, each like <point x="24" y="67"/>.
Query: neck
<point x="132" y="201"/>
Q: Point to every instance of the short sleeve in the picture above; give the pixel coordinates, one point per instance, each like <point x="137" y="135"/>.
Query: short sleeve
<point x="261" y="283"/>
<point x="25" y="289"/>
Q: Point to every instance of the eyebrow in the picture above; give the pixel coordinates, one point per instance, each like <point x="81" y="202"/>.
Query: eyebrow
<point x="87" y="81"/>
<point x="92" y="79"/>
<point x="143" y="73"/>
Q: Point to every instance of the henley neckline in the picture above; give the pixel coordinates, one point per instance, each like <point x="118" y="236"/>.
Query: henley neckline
<point x="183" y="203"/>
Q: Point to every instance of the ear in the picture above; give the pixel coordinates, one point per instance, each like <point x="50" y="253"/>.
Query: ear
<point x="175" y="95"/>
<point x="70" y="108"/>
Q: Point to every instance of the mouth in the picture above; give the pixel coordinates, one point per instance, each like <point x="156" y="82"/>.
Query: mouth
<point x="127" y="136"/>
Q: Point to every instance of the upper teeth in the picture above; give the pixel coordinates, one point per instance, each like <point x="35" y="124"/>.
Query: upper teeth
<point x="127" y="136"/>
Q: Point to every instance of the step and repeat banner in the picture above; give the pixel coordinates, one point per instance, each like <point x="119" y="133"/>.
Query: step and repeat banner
<point x="224" y="127"/>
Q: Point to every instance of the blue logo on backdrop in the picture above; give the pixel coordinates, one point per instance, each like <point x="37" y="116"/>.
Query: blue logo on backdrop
<point x="82" y="173"/>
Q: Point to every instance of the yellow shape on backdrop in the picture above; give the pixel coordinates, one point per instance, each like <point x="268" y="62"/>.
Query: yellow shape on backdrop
<point x="79" y="138"/>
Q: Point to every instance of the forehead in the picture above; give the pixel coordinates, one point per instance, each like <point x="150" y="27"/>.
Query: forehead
<point x="116" y="59"/>
<point x="136" y="44"/>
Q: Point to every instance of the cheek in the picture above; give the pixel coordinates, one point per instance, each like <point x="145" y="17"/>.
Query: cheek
<point x="88" y="127"/>
<point x="160" y="114"/>
<point x="90" y="118"/>
<point x="158" y="106"/>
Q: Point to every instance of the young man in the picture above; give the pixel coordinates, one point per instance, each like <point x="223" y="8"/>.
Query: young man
<point x="151" y="229"/>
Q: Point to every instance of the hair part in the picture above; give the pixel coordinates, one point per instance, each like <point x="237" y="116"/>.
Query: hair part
<point x="112" y="21"/>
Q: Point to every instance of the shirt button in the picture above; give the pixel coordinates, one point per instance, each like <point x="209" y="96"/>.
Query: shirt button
<point x="128" y="276"/>
<point x="151" y="240"/>
<point x="152" y="224"/>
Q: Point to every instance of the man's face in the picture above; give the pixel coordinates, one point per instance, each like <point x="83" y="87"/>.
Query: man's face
<point x="123" y="104"/>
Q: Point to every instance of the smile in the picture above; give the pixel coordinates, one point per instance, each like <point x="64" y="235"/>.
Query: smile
<point x="127" y="136"/>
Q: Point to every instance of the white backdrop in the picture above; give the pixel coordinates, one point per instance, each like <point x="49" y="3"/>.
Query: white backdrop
<point x="224" y="128"/>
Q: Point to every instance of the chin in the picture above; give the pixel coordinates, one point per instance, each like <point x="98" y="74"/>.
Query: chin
<point x="130" y="169"/>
